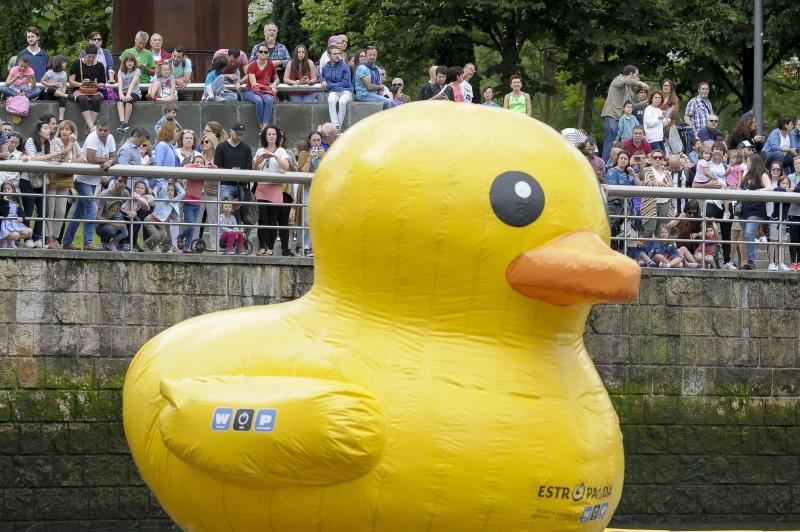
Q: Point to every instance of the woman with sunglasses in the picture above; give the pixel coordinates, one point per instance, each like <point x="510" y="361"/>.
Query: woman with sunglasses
<point x="656" y="176"/>
<point x="104" y="56"/>
<point x="262" y="86"/>
<point x="210" y="210"/>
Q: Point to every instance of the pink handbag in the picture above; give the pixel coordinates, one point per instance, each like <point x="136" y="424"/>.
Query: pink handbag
<point x="18" y="105"/>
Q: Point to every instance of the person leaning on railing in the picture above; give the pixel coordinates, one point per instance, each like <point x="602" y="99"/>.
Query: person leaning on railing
<point x="757" y="178"/>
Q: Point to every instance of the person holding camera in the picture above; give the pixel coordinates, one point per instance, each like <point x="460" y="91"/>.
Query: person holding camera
<point x="86" y="76"/>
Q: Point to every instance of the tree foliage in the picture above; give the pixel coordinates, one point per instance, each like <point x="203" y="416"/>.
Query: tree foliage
<point x="65" y="25"/>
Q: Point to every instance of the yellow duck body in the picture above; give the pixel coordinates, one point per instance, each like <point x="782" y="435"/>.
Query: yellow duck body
<point x="426" y="382"/>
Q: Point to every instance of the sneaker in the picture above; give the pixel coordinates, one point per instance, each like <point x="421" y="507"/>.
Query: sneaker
<point x="772" y="267"/>
<point x="69" y="246"/>
<point x="125" y="247"/>
<point x="287" y="253"/>
<point x="12" y="245"/>
<point x="663" y="265"/>
<point x="308" y="253"/>
<point x="138" y="248"/>
<point x="793" y="267"/>
<point x="693" y="265"/>
<point x="121" y="130"/>
<point x="783" y="267"/>
<point x="110" y="246"/>
<point x="229" y="252"/>
<point x="38" y="244"/>
<point x="28" y="244"/>
<point x="749" y="266"/>
<point x="729" y="266"/>
<point x="269" y="252"/>
<point x="90" y="247"/>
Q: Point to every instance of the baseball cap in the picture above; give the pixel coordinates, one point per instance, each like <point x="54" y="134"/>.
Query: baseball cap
<point x="238" y="127"/>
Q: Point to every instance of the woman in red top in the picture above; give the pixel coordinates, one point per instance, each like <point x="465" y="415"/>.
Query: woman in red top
<point x="301" y="71"/>
<point x="262" y="86"/>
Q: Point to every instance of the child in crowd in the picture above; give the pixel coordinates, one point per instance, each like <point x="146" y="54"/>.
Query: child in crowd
<point x="162" y="89"/>
<point x="778" y="231"/>
<point x="128" y="89"/>
<point x="705" y="255"/>
<point x="703" y="174"/>
<point x="171" y="115"/>
<point x="137" y="209"/>
<point x="637" y="250"/>
<point x="167" y="209"/>
<point x="231" y="235"/>
<point x="694" y="154"/>
<point x="55" y="83"/>
<point x="21" y="80"/>
<point x="736" y="169"/>
<point x="666" y="254"/>
<point x="146" y="153"/>
<point x="626" y="122"/>
<point x="12" y="222"/>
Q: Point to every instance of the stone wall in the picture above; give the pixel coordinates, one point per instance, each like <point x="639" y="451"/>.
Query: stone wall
<point x="704" y="370"/>
<point x="68" y="329"/>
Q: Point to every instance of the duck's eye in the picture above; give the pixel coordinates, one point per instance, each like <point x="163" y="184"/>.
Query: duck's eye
<point x="517" y="198"/>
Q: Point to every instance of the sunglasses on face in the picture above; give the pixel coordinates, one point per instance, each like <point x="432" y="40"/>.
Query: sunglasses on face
<point x="713" y="121"/>
<point x="775" y="169"/>
<point x="657" y="158"/>
<point x="263" y="51"/>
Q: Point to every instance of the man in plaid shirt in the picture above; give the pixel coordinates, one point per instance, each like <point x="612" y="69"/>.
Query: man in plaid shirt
<point x="699" y="109"/>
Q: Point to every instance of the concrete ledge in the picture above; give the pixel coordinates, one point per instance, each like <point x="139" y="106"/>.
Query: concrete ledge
<point x="297" y="119"/>
<point x="183" y="258"/>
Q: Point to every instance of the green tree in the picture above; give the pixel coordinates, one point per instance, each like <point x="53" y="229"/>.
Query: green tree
<point x="286" y="14"/>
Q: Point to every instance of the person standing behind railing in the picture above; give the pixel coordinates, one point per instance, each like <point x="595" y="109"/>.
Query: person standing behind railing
<point x="37" y="148"/>
<point x="656" y="176"/>
<point x="757" y="178"/>
<point x="272" y="157"/>
<point x="98" y="148"/>
<point x="66" y="142"/>
<point x="794" y="230"/>
<point x="211" y="188"/>
<point x="164" y="155"/>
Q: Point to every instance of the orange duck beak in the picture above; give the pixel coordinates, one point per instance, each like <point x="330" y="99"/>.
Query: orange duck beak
<point x="577" y="268"/>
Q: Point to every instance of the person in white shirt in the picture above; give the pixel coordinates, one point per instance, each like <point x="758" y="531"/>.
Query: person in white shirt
<point x="101" y="149"/>
<point x="466" y="88"/>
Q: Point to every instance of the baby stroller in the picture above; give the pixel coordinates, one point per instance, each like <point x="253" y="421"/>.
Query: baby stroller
<point x="246" y="214"/>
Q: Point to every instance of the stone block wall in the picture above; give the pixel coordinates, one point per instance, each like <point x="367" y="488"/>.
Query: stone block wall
<point x="68" y="329"/>
<point x="704" y="371"/>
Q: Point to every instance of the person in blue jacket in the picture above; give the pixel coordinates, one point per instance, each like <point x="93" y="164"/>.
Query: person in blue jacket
<point x="779" y="144"/>
<point x="336" y="80"/>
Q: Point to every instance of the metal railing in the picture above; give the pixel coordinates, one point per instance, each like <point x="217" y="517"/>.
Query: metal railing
<point x="134" y="173"/>
<point x="200" y="87"/>
<point x="629" y="231"/>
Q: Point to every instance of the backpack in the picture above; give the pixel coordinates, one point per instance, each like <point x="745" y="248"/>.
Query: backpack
<point x="18" y="105"/>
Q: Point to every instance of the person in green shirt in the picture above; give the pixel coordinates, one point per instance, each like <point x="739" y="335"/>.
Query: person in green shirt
<point x="146" y="63"/>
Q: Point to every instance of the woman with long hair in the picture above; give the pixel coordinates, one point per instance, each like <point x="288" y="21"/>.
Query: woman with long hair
<point x="656" y="120"/>
<point x="301" y="71"/>
<point x="746" y="131"/>
<point x="272" y="156"/>
<point x="756" y="178"/>
<point x="66" y="142"/>
<point x="37" y="148"/>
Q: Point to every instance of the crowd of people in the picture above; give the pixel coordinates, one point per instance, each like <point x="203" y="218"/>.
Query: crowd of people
<point x="158" y="214"/>
<point x="651" y="139"/>
<point x="148" y="71"/>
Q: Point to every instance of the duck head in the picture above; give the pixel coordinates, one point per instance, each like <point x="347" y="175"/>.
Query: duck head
<point x="434" y="205"/>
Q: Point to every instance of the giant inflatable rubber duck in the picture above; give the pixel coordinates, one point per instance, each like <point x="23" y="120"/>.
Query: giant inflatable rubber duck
<point x="434" y="378"/>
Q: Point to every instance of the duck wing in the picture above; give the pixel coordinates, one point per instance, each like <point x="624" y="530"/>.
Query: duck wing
<point x="273" y="430"/>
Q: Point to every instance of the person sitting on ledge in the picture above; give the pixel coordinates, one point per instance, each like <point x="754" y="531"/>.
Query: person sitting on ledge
<point x="301" y="71"/>
<point x="368" y="81"/>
